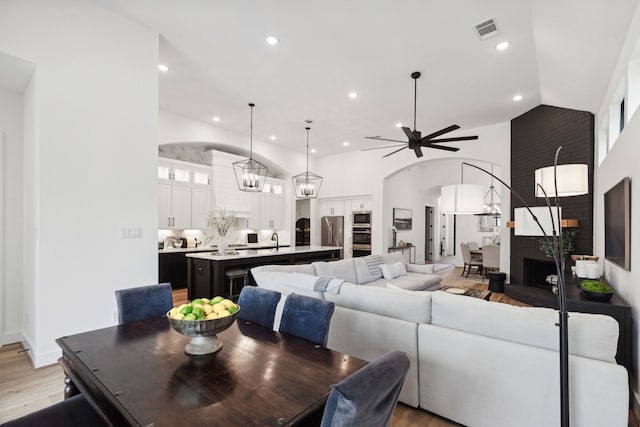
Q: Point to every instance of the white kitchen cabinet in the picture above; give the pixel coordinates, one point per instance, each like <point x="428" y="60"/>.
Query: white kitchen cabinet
<point x="200" y="205"/>
<point x="270" y="209"/>
<point x="332" y="208"/>
<point x="184" y="195"/>
<point x="361" y="204"/>
<point x="174" y="206"/>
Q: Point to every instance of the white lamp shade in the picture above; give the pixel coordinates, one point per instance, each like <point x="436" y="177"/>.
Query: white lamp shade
<point x="462" y="199"/>
<point x="525" y="225"/>
<point x="573" y="180"/>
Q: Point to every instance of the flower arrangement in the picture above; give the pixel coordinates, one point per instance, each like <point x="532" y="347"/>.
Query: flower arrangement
<point x="222" y="221"/>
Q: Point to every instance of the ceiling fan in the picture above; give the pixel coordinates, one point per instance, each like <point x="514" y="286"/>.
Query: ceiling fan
<point x="416" y="140"/>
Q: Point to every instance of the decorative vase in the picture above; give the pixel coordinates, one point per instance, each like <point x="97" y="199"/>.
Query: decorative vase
<point x="222" y="245"/>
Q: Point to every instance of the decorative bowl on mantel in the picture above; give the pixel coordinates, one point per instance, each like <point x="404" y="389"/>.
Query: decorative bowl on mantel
<point x="595" y="290"/>
<point x="204" y="333"/>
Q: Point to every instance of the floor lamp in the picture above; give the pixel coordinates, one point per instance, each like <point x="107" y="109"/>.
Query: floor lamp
<point x="553" y="181"/>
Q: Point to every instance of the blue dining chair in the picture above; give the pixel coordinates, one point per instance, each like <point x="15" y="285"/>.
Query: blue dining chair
<point x="72" y="412"/>
<point x="369" y="396"/>
<point x="143" y="302"/>
<point x="258" y="305"/>
<point x="307" y="317"/>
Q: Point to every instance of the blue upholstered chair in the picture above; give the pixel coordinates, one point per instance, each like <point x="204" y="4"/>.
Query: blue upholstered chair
<point x="75" y="411"/>
<point x="369" y="396"/>
<point x="258" y="305"/>
<point x="143" y="302"/>
<point x="307" y="317"/>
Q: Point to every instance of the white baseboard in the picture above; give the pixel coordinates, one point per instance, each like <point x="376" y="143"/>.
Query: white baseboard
<point x="40" y="360"/>
<point x="10" y="338"/>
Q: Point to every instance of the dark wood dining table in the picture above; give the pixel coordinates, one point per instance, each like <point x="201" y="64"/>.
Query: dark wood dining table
<point x="137" y="374"/>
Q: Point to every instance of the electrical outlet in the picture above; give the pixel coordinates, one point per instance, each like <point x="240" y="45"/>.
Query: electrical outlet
<point x="131" y="233"/>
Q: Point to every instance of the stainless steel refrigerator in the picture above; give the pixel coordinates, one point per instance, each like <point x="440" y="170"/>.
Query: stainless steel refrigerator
<point x="332" y="232"/>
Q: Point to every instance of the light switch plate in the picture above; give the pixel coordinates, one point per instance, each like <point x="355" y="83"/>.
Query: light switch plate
<point x="131" y="233"/>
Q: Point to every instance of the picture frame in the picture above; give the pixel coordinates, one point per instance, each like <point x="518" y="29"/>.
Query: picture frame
<point x="402" y="218"/>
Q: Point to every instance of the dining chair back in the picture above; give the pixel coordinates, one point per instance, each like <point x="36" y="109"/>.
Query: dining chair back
<point x="490" y="258"/>
<point x="473" y="246"/>
<point x="143" y="302"/>
<point x="258" y="305"/>
<point x="369" y="396"/>
<point x="71" y="412"/>
<point x="307" y="317"/>
<point x="469" y="262"/>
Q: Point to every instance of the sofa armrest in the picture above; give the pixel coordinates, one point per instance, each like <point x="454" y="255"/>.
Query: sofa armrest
<point x="420" y="268"/>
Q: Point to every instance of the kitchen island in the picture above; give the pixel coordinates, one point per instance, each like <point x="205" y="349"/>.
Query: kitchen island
<point x="206" y="271"/>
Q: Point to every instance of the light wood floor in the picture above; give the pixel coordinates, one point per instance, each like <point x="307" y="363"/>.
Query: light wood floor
<point x="24" y="389"/>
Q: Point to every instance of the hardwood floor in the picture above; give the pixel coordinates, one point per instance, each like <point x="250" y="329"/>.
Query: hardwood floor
<point x="24" y="389"/>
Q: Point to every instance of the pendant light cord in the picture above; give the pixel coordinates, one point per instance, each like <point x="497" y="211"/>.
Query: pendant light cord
<point x="251" y="132"/>
<point x="307" y="128"/>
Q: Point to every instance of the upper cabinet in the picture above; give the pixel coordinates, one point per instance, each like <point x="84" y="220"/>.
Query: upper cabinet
<point x="332" y="207"/>
<point x="184" y="195"/>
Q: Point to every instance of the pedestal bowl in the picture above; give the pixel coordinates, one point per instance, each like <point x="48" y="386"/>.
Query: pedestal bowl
<point x="204" y="333"/>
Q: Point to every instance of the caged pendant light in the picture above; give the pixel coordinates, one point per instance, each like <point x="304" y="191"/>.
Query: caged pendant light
<point x="250" y="173"/>
<point x="307" y="184"/>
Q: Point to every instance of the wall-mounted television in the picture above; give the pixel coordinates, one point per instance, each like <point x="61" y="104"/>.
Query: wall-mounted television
<point x="617" y="224"/>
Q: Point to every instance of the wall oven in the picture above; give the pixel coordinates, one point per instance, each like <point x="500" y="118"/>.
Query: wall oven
<point x="361" y="250"/>
<point x="361" y="236"/>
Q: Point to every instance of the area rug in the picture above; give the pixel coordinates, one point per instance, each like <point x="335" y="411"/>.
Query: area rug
<point x="438" y="266"/>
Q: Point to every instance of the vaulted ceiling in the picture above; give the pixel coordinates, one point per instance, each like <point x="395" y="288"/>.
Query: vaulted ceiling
<point x="561" y="53"/>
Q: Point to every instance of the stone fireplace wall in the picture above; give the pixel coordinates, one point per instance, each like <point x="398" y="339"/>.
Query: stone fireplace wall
<point x="535" y="136"/>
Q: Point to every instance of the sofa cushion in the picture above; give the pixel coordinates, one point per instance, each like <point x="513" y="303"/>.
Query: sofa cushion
<point x="287" y="283"/>
<point x="343" y="269"/>
<point x="391" y="271"/>
<point x="590" y="335"/>
<point x="420" y="268"/>
<point x="410" y="306"/>
<point x="393" y="257"/>
<point x="416" y="282"/>
<point x="294" y="268"/>
<point x="367" y="268"/>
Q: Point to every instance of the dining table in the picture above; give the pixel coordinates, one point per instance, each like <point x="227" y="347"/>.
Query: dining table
<point x="137" y="374"/>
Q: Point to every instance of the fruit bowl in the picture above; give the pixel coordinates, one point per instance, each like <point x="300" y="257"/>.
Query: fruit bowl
<point x="204" y="333"/>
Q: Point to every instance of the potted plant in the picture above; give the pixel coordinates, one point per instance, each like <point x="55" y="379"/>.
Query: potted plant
<point x="568" y="237"/>
<point x="596" y="290"/>
<point x="222" y="221"/>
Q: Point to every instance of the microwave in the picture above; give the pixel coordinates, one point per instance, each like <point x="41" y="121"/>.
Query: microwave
<point x="361" y="218"/>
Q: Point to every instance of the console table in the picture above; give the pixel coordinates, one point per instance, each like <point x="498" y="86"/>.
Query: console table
<point x="411" y="248"/>
<point x="616" y="308"/>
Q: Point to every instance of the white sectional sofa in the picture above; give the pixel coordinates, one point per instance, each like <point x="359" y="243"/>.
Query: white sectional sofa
<point x="476" y="362"/>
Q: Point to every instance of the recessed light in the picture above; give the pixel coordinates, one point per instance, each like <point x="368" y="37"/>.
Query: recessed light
<point x="346" y="143"/>
<point x="313" y="150"/>
<point x="517" y="97"/>
<point x="216" y="118"/>
<point x="353" y="95"/>
<point x="272" y="137"/>
<point x="272" y="40"/>
<point x="503" y="45"/>
<point x="163" y="68"/>
<point x="398" y="125"/>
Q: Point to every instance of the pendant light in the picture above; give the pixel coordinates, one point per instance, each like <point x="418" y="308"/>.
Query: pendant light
<point x="250" y="173"/>
<point x="307" y="184"/>
<point x="491" y="205"/>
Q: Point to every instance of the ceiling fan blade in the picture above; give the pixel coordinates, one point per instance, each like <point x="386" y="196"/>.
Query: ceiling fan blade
<point x="410" y="134"/>
<point x="386" y="146"/>
<point x="441" y="147"/>
<point x="440" y="132"/>
<point x="417" y="150"/>
<point x="455" y="138"/>
<point x="394" y="152"/>
<point x="377" y="138"/>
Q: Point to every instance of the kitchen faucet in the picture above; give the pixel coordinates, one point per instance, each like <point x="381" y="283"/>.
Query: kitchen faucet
<point x="276" y="239"/>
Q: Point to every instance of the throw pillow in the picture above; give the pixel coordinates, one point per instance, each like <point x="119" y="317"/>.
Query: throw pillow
<point x="391" y="271"/>
<point x="374" y="262"/>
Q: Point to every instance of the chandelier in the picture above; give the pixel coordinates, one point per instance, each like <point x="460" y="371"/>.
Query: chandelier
<point x="307" y="184"/>
<point x="250" y="173"/>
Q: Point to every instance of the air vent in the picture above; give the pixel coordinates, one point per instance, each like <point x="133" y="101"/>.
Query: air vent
<point x="486" y="29"/>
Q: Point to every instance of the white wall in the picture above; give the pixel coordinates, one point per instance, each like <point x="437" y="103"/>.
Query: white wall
<point x="90" y="152"/>
<point x="366" y="172"/>
<point x="11" y="234"/>
<point x="621" y="161"/>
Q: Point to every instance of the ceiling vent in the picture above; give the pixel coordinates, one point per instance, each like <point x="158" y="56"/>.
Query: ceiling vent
<point x="486" y="29"/>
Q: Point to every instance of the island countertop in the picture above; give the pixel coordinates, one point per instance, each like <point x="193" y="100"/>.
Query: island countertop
<point x="206" y="271"/>
<point x="241" y="253"/>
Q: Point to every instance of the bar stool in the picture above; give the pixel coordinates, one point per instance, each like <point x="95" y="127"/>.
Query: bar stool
<point x="236" y="274"/>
